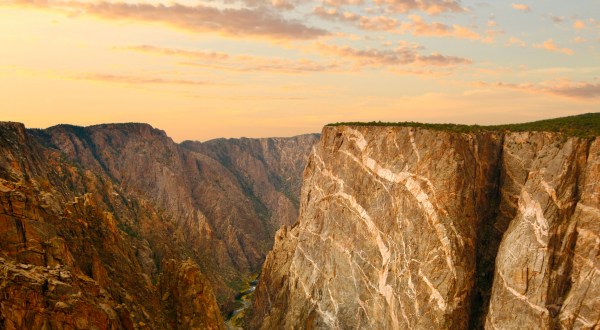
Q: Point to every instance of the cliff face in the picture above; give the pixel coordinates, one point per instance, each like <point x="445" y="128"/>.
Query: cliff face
<point x="423" y="229"/>
<point x="117" y="226"/>
<point x="71" y="251"/>
<point x="222" y="200"/>
<point x="268" y="170"/>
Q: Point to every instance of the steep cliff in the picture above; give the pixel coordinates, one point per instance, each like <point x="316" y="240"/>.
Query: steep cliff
<point x="221" y="200"/>
<point x="119" y="226"/>
<point x="71" y="251"/>
<point x="405" y="227"/>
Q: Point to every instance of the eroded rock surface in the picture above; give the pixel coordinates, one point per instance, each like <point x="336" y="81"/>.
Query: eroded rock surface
<point x="221" y="201"/>
<point x="547" y="268"/>
<point x="405" y="228"/>
<point x="146" y="233"/>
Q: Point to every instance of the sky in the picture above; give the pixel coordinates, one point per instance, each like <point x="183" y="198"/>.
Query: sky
<point x="256" y="68"/>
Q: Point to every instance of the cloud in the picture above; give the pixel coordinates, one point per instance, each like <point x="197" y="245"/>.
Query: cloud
<point x="196" y="19"/>
<point x="521" y="7"/>
<point x="134" y="80"/>
<point x="578" y="25"/>
<point x="239" y="63"/>
<point x="513" y="41"/>
<point x="404" y="54"/>
<point x="209" y="56"/>
<point x="551" y="46"/>
<point x="559" y="87"/>
<point x="370" y="23"/>
<point x="335" y="14"/>
<point x="378" y="23"/>
<point x="418" y="27"/>
<point x="337" y="3"/>
<point x="432" y="7"/>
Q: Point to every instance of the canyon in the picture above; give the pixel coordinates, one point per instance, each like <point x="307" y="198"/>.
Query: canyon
<point x="412" y="227"/>
<point x="366" y="225"/>
<point x="116" y="226"/>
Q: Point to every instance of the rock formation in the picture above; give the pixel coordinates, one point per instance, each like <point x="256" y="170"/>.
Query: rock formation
<point x="116" y="226"/>
<point x="223" y="218"/>
<point x="412" y="228"/>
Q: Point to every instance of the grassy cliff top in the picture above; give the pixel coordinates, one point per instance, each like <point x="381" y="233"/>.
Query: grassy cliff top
<point x="586" y="125"/>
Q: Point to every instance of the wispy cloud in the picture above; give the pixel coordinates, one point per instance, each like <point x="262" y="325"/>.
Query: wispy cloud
<point x="514" y="41"/>
<point x="197" y="19"/>
<point x="521" y="7"/>
<point x="370" y="23"/>
<point x="551" y="46"/>
<point x="419" y="27"/>
<point x="133" y="80"/>
<point x="404" y="54"/>
<point x="415" y="26"/>
<point x="432" y="7"/>
<point x="239" y="63"/>
<point x="578" y="25"/>
<point x="559" y="87"/>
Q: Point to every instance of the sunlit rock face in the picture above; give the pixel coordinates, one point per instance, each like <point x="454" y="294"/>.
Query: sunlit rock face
<point x="547" y="269"/>
<point x="400" y="227"/>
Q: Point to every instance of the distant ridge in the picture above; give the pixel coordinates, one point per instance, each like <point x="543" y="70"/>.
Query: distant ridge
<point x="585" y="125"/>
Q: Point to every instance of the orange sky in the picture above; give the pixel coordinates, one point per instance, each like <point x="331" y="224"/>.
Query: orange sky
<point x="207" y="69"/>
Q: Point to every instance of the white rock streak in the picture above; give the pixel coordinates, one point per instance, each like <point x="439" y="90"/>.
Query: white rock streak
<point x="521" y="296"/>
<point x="414" y="145"/>
<point x="435" y="294"/>
<point x="534" y="215"/>
<point x="414" y="188"/>
<point x="384" y="289"/>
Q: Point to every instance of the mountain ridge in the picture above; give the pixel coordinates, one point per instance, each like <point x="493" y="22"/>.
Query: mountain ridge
<point x="183" y="219"/>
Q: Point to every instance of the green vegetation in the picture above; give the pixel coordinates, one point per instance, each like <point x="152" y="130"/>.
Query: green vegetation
<point x="586" y="125"/>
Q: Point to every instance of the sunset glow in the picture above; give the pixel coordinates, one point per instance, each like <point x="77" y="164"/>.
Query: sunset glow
<point x="256" y="68"/>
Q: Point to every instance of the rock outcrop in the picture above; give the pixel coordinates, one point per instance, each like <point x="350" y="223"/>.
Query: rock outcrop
<point x="151" y="234"/>
<point x="413" y="228"/>
<point x="221" y="200"/>
<point x="72" y="251"/>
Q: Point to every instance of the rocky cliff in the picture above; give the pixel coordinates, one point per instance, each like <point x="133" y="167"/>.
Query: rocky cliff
<point x="71" y="252"/>
<point x="222" y="200"/>
<point x="406" y="227"/>
<point x="116" y="226"/>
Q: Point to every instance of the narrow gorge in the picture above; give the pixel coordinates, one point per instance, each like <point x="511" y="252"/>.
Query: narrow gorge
<point x="412" y="227"/>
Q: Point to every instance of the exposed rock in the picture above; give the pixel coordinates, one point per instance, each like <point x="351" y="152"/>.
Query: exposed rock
<point x="110" y="206"/>
<point x="220" y="201"/>
<point x="32" y="298"/>
<point x="70" y="246"/>
<point x="406" y="228"/>
<point x="547" y="265"/>
<point x="188" y="296"/>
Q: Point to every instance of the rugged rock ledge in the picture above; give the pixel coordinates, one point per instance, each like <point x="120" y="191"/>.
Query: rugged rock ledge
<point x="410" y="228"/>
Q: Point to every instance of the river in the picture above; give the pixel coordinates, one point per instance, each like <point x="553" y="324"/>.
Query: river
<point x="235" y="319"/>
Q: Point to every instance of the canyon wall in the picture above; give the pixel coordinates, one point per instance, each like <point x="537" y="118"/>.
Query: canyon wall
<point x="116" y="226"/>
<point x="222" y="216"/>
<point x="412" y="228"/>
<point x="71" y="250"/>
